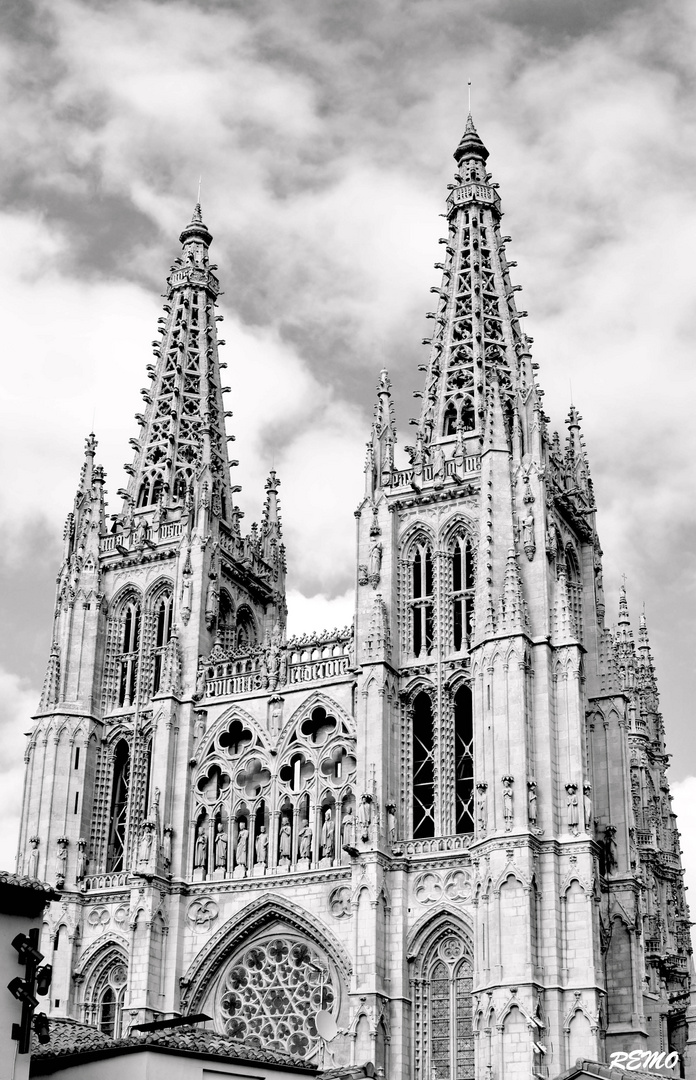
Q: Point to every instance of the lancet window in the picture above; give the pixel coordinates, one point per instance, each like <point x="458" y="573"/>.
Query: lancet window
<point x="464" y="760"/>
<point x="127" y="659"/>
<point x="574" y="580"/>
<point x="163" y="633"/>
<point x="459" y="415"/>
<point x="151" y="488"/>
<point x="423" y="762"/>
<point x="119" y="807"/>
<point x="226" y="628"/>
<point x="421" y="599"/>
<point x="106" y="991"/>
<point x="246" y="628"/>
<point x="462" y="591"/>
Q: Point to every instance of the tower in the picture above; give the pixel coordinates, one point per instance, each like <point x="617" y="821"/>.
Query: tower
<point x="448" y="824"/>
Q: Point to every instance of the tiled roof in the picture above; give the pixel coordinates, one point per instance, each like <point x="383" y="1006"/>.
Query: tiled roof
<point x="71" y="1037"/>
<point x="18" y="880"/>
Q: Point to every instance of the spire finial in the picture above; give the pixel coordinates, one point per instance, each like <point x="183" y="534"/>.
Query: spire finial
<point x="198" y="198"/>
<point x="469" y="86"/>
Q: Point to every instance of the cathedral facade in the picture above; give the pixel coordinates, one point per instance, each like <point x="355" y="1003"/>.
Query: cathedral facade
<point x="447" y="828"/>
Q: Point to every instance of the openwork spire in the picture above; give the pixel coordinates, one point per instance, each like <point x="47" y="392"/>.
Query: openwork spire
<point x="477" y="336"/>
<point x="183" y="426"/>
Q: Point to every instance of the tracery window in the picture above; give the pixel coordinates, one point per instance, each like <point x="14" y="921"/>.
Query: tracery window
<point x="105" y="993"/>
<point x="119" y="807"/>
<point x="574" y="580"/>
<point x="462" y="595"/>
<point x="127" y="660"/>
<point x="464" y="760"/>
<point x="444" y="1013"/>
<point x="151" y="488"/>
<point x="423" y="760"/>
<point x="459" y="414"/>
<point x="163" y="633"/>
<point x="271" y="992"/>
<point x="422" y="622"/>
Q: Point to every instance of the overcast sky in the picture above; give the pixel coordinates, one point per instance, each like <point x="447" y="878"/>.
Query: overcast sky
<point x="324" y="132"/>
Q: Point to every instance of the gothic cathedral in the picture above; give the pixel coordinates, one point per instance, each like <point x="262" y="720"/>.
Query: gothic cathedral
<point x="448" y="826"/>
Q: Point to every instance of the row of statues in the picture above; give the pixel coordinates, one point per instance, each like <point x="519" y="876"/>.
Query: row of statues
<point x="351" y="826"/>
<point x="572" y="804"/>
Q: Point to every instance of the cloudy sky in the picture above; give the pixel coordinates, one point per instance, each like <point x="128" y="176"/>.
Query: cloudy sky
<point x="323" y="131"/>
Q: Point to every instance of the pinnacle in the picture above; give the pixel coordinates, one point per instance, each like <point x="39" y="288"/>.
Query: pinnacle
<point x="470" y="145"/>
<point x="624" y="618"/>
<point x="196" y="229"/>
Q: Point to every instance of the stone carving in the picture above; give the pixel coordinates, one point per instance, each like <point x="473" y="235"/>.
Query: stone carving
<point x="427" y="888"/>
<point x="200" y="856"/>
<point x="572" y="804"/>
<point x="220" y="848"/>
<point x="34" y="857"/>
<point x="365" y="816"/>
<point x="348" y="830"/>
<point x="262" y="847"/>
<point x="482" y="806"/>
<point x="62" y="861"/>
<point x="528" y="541"/>
<point x="81" y="866"/>
<point x="363" y="576"/>
<point x="167" y="846"/>
<point x="99" y="918"/>
<point x="201" y="914"/>
<point x="391" y="822"/>
<point x="457" y="885"/>
<point x="374" y="564"/>
<point x="284" y="839"/>
<point x="508" y="807"/>
<point x="147" y="833"/>
<point x="305" y="840"/>
<point x="242" y="852"/>
<point x="327" y="836"/>
<point x="532" y="801"/>
<point x="339" y="902"/>
<point x="587" y="806"/>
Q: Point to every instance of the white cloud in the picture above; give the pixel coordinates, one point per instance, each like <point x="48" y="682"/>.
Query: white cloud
<point x="18" y="700"/>
<point x="684" y="805"/>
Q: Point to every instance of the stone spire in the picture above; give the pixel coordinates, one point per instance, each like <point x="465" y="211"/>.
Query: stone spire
<point x="183" y="427"/>
<point x="272" y="547"/>
<point x="477" y="337"/>
<point x="379" y="461"/>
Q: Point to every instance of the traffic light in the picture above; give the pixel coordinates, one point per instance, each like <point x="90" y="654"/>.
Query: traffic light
<point x="36" y="981"/>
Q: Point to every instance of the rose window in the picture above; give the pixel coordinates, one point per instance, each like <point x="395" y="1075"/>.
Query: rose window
<point x="271" y="993"/>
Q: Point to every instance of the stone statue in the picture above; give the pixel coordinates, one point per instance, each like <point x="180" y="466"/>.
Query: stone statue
<point x="532" y="802"/>
<point x="285" y="838"/>
<point x="167" y="846"/>
<point x="365" y="816"/>
<point x="145" y="845"/>
<point x="374" y="563"/>
<point x="34" y="857"/>
<point x="305" y="840"/>
<point x="261" y="847"/>
<point x="482" y="807"/>
<point x="200" y="856"/>
<point x="391" y="822"/>
<point x="572" y="804"/>
<point x="327" y="835"/>
<point x="220" y="848"/>
<point x="242" y="844"/>
<point x="81" y="868"/>
<point x="587" y="806"/>
<point x="348" y="829"/>
<point x="507" y="802"/>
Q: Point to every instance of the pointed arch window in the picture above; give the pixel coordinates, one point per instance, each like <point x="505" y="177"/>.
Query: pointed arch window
<point x="443" y="1007"/>
<point x="127" y="660"/>
<point x="459" y="414"/>
<point x="246" y="628"/>
<point x="423" y="758"/>
<point x="226" y="628"/>
<point x="163" y="634"/>
<point x="464" y="760"/>
<point x="574" y="580"/>
<point x="422" y="621"/>
<point x="462" y="595"/>
<point x="150" y="489"/>
<point x="119" y="807"/>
